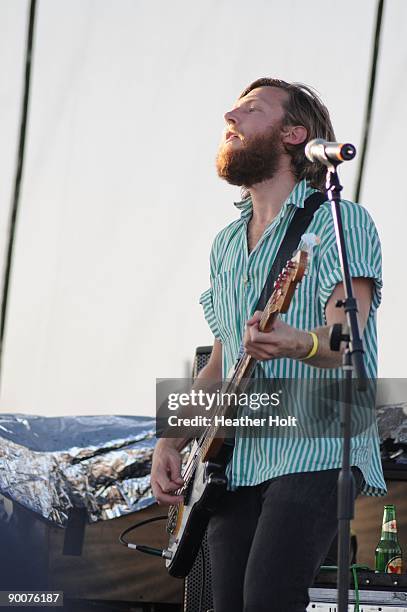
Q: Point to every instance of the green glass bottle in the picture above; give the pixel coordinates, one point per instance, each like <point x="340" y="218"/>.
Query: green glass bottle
<point x="388" y="555"/>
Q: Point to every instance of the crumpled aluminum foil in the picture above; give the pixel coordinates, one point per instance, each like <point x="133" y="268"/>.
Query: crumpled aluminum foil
<point x="100" y="463"/>
<point x="392" y="422"/>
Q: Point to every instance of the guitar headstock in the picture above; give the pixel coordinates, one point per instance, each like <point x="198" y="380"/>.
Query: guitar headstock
<point x="284" y="287"/>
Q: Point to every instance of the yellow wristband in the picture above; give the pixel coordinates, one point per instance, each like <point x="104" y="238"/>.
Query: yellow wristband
<point x="314" y="348"/>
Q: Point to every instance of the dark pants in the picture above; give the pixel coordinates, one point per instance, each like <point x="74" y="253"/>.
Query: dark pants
<point x="268" y="541"/>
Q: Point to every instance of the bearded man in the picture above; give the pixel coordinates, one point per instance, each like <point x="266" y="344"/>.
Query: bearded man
<point x="278" y="517"/>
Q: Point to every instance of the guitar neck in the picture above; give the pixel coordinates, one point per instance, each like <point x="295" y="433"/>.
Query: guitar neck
<point x="238" y="383"/>
<point x="284" y="287"/>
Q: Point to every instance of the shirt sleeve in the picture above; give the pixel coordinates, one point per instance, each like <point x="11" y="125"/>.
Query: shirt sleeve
<point x="363" y="250"/>
<point x="206" y="299"/>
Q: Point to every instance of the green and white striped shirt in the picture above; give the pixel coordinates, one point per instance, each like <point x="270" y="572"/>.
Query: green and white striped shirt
<point x="237" y="279"/>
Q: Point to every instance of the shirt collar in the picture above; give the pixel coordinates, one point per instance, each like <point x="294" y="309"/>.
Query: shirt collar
<point x="301" y="191"/>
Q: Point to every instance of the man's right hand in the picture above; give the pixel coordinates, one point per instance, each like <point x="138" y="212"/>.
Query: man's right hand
<point x="166" y="467"/>
<point x="166" y="472"/>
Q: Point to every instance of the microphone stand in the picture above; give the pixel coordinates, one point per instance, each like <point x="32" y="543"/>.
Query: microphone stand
<point x="352" y="362"/>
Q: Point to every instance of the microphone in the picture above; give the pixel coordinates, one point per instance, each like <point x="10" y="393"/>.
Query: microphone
<point x="329" y="153"/>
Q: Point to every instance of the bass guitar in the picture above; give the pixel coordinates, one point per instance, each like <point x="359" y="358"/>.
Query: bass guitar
<point x="204" y="473"/>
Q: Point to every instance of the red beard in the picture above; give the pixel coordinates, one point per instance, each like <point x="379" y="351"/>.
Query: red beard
<point x="256" y="160"/>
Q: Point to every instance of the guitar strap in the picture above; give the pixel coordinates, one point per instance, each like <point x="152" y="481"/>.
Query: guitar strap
<point x="299" y="223"/>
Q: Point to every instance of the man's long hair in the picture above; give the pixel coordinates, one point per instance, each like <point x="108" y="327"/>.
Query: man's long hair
<point x="302" y="107"/>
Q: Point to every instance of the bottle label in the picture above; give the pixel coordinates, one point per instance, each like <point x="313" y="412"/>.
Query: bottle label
<point x="394" y="566"/>
<point x="390" y="526"/>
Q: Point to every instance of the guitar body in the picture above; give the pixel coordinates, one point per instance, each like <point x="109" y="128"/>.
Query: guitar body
<point x="188" y="521"/>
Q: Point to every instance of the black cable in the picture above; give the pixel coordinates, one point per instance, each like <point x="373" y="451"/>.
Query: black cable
<point x="368" y="116"/>
<point x="148" y="550"/>
<point x="18" y="175"/>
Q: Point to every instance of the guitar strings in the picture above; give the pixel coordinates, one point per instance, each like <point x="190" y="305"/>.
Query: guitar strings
<point x="207" y="436"/>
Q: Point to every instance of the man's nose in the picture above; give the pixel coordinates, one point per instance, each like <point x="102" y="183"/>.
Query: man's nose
<point x="230" y="117"/>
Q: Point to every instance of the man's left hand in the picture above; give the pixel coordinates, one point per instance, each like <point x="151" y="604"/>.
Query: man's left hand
<point x="282" y="341"/>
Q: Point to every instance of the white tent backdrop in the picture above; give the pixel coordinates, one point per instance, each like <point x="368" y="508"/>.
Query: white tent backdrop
<point x="120" y="198"/>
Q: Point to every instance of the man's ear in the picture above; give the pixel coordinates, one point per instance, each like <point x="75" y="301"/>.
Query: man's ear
<point x="294" y="134"/>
